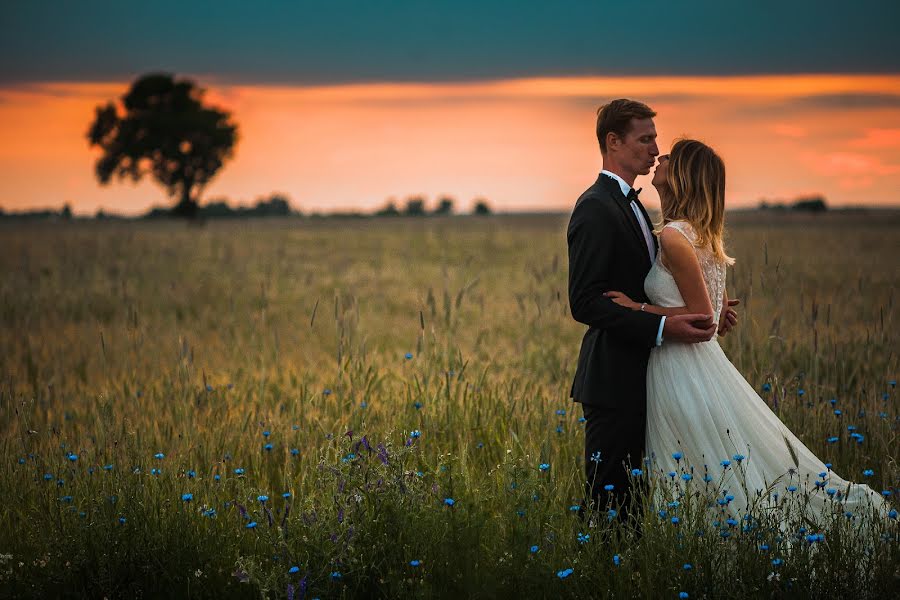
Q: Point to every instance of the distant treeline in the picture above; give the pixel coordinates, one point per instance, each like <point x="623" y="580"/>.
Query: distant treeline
<point x="276" y="205"/>
<point x="803" y="204"/>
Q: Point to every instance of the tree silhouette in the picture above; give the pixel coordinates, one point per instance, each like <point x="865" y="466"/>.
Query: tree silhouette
<point x="415" y="206"/>
<point x="482" y="207"/>
<point x="445" y="206"/>
<point x="163" y="129"/>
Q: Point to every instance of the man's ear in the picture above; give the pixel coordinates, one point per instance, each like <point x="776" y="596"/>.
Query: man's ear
<point x="612" y="140"/>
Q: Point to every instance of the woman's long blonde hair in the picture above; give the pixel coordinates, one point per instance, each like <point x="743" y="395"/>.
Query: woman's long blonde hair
<point x="696" y="193"/>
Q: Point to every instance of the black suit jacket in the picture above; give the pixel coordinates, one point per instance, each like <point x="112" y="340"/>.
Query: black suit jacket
<point x="607" y="251"/>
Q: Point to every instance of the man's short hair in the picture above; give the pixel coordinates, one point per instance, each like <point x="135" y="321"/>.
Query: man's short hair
<point x="616" y="117"/>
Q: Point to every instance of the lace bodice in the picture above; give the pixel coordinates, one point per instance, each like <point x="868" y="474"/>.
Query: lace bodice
<point x="661" y="288"/>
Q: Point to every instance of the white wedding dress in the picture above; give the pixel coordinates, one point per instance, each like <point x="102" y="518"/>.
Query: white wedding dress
<point x="699" y="405"/>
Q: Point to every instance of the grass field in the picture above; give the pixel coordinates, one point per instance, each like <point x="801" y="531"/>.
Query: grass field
<point x="352" y="408"/>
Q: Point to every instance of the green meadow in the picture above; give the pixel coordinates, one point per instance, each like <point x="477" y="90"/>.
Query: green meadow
<point x="362" y="408"/>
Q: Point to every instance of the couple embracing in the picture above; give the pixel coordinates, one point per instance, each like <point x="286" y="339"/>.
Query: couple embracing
<point x="651" y="377"/>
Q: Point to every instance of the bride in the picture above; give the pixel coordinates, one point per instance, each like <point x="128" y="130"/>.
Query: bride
<point x="702" y="415"/>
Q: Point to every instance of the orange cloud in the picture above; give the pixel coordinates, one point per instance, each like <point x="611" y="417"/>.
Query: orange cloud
<point x="788" y="130"/>
<point x="878" y="138"/>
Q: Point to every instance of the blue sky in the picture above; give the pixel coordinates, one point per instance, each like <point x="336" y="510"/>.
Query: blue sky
<point x="341" y="41"/>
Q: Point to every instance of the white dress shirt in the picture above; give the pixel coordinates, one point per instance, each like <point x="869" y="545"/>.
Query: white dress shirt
<point x="645" y="229"/>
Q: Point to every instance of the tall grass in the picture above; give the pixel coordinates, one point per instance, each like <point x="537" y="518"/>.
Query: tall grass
<point x="373" y="371"/>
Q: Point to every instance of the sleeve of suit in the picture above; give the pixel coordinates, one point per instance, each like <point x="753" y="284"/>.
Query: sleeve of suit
<point x="590" y="255"/>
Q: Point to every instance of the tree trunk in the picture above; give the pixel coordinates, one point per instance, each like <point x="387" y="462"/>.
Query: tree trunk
<point x="187" y="206"/>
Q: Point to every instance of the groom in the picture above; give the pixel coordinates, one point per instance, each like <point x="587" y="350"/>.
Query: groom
<point x="611" y="247"/>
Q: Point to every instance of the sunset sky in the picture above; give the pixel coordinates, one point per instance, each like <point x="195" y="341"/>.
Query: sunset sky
<point x="345" y="105"/>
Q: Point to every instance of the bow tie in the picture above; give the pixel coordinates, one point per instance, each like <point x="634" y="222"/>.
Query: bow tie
<point x="634" y="193"/>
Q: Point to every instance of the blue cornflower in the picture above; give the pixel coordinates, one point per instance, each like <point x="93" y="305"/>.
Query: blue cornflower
<point x="66" y="499"/>
<point x="729" y="498"/>
<point x="559" y="429"/>
<point x="868" y="472"/>
<point x="336" y="575"/>
<point x="677" y="456"/>
<point x="262" y="498"/>
<point x="159" y="456"/>
<point x="449" y="501"/>
<point x="155" y="471"/>
<point x="217" y="477"/>
<point x="581" y="419"/>
<point x="107" y="467"/>
<point x="608" y="487"/>
<point x="574" y="508"/>
<point x="583" y="537"/>
<point x="534" y="549"/>
<point x="295" y="451"/>
<point x="838" y="412"/>
<point x="73" y="457"/>
<point x="286" y="495"/>
<point x="800" y="392"/>
<point x="267" y="433"/>
<point x="682" y="595"/>
<point x="564" y="573"/>
<point x="792" y="488"/>
<point x="238" y="471"/>
<point x="675" y="520"/>
<point x="832" y="440"/>
<point x="267" y="447"/>
<point x="47" y="476"/>
<point x="725" y="463"/>
<point x="408" y="356"/>
<point x="764" y="547"/>
<point x="687" y="476"/>
<point x="636" y="472"/>
<point x="544" y="466"/>
<point x="672" y="474"/>
<point x="731" y="522"/>
<point x="417" y="404"/>
<point x="415" y="433"/>
<point x="21" y="461"/>
<point x="738" y="457"/>
<point x="250" y="525"/>
<point x="415" y="563"/>
<point x="617" y="560"/>
<point x="294" y="570"/>
<point x="776" y="562"/>
<point x="187" y="497"/>
<point x="893" y="513"/>
<point x="851" y="427"/>
<point x="687" y="566"/>
<point x="767" y="387"/>
<point x="326" y="392"/>
<point x="122" y="520"/>
<point x="885" y="493"/>
<point x="561" y="411"/>
<point x="595" y="457"/>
